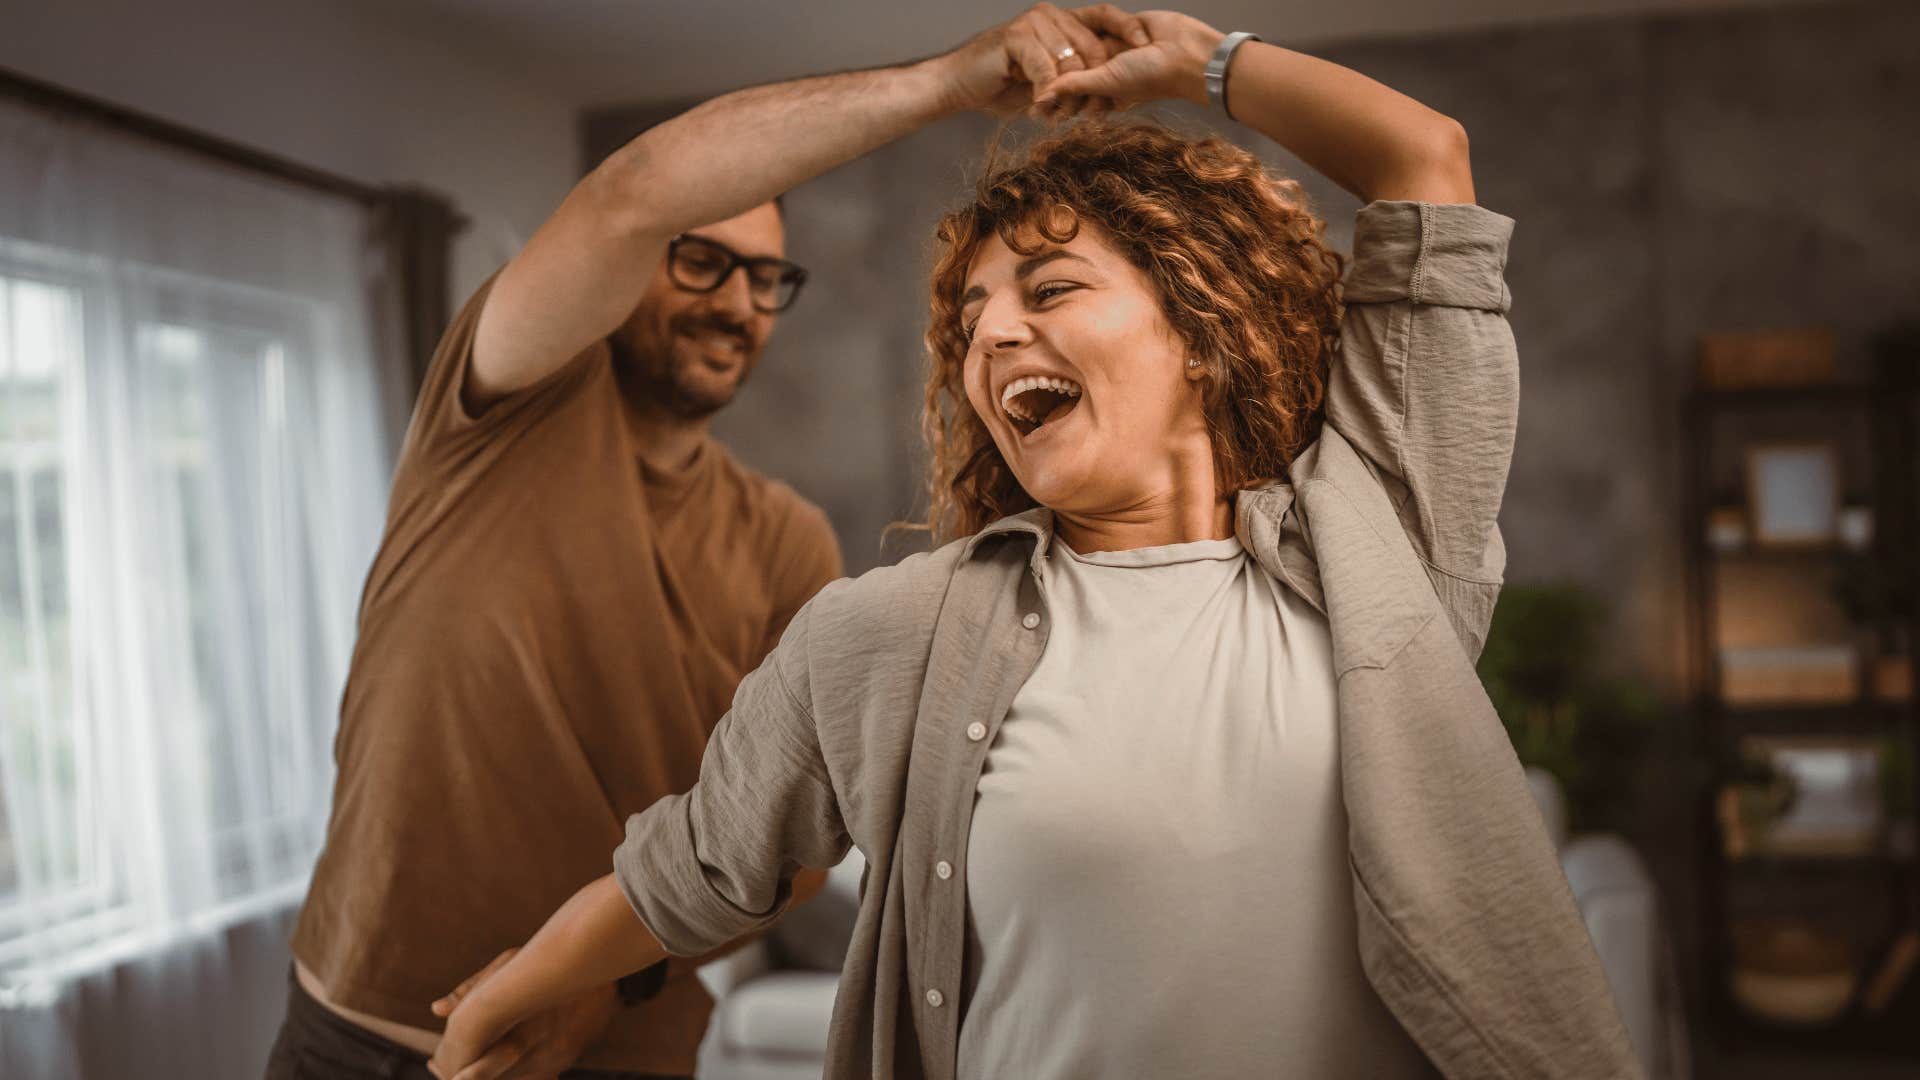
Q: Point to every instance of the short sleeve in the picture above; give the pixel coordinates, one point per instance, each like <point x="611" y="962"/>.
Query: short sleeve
<point x="443" y="425"/>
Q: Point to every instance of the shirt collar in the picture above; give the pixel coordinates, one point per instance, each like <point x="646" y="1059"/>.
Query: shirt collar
<point x="1036" y="523"/>
<point x="1269" y="501"/>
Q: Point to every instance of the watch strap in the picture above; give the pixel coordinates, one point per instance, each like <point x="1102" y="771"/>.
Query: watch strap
<point x="1215" y="74"/>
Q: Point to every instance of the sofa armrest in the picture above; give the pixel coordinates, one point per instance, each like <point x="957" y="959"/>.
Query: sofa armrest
<point x="1617" y="899"/>
<point x="725" y="975"/>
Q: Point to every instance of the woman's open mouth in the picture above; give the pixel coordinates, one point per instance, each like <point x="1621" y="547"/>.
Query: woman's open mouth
<point x="1038" y="401"/>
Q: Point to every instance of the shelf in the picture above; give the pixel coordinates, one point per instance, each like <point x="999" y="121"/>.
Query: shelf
<point x="1781" y="397"/>
<point x="1809" y="553"/>
<point x="1870" y="863"/>
<point x="1851" y="718"/>
<point x="1867" y="894"/>
<point x="1856" y="1034"/>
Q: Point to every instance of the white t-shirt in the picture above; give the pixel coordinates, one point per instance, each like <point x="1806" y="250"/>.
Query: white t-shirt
<point x="1157" y="875"/>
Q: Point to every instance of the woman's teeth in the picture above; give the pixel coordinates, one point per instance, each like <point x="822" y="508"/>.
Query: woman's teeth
<point x="1022" y="404"/>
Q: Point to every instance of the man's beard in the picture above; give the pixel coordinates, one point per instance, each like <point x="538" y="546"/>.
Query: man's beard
<point x="667" y="372"/>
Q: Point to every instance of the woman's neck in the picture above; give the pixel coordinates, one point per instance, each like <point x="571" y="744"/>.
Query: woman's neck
<point x="1177" y="504"/>
<point x="1152" y="524"/>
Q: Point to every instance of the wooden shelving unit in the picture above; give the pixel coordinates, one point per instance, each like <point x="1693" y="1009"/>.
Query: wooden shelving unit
<point x="1875" y="894"/>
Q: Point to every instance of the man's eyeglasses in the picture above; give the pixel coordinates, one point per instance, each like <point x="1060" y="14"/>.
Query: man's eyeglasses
<point x="699" y="265"/>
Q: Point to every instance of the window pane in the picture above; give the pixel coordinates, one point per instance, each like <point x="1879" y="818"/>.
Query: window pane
<point x="40" y="838"/>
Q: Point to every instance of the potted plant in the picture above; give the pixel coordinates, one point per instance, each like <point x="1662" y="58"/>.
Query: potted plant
<point x="1541" y="667"/>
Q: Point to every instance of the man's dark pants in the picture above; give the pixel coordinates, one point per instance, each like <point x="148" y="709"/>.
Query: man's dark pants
<point x="315" y="1044"/>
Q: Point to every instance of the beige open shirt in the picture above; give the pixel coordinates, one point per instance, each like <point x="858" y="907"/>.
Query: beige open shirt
<point x="869" y="723"/>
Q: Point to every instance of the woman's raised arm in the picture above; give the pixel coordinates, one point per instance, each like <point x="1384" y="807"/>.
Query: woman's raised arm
<point x="1369" y="138"/>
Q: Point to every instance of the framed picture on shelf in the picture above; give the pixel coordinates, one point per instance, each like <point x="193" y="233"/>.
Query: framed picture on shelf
<point x="1793" y="493"/>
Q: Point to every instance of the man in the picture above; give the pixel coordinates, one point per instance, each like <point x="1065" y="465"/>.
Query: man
<point x="574" y="578"/>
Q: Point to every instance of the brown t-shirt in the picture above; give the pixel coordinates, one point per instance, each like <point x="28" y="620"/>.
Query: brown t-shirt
<point x="548" y="635"/>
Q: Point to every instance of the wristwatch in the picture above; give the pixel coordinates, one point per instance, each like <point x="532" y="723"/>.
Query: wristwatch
<point x="642" y="984"/>
<point x="1215" y="74"/>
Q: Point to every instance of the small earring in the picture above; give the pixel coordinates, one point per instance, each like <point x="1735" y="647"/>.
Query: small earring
<point x="1193" y="361"/>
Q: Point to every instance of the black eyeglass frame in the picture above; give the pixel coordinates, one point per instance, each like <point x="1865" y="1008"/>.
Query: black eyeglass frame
<point x="789" y="271"/>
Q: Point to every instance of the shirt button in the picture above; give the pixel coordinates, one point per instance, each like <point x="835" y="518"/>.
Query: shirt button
<point x="976" y="731"/>
<point x="943" y="869"/>
<point x="935" y="998"/>
<point x="1030" y="621"/>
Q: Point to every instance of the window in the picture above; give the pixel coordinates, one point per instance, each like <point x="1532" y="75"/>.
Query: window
<point x="49" y="867"/>
<point x="193" y="473"/>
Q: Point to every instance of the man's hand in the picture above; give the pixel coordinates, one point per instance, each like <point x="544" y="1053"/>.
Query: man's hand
<point x="477" y="1047"/>
<point x="1172" y="65"/>
<point x="1004" y="69"/>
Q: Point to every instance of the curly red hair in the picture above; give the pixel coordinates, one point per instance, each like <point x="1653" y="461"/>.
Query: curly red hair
<point x="1242" y="267"/>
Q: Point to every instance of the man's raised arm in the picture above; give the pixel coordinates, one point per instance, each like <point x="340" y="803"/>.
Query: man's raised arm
<point x="580" y="275"/>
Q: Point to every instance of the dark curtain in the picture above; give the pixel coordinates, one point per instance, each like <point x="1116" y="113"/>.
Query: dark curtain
<point x="413" y="233"/>
<point x="418" y="227"/>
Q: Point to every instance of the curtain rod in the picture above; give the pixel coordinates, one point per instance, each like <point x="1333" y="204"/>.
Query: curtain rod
<point x="34" y="91"/>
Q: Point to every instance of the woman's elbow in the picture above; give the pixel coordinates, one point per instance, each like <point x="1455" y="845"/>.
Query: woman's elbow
<point x="1435" y="167"/>
<point x="1448" y="163"/>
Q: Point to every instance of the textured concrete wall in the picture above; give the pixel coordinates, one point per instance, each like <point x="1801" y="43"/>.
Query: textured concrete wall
<point x="1669" y="177"/>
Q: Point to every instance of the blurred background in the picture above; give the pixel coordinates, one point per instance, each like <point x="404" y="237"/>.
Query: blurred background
<point x="231" y="232"/>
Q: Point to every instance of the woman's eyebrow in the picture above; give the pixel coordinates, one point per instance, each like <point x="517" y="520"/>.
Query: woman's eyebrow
<point x="1024" y="271"/>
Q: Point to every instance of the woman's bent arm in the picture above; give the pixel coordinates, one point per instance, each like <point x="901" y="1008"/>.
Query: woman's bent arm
<point x="593" y="940"/>
<point x="1370" y="139"/>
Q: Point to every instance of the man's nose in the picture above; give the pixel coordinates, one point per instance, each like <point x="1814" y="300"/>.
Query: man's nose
<point x="735" y="294"/>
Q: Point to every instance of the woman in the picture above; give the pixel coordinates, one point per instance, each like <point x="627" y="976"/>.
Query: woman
<point x="1173" y="761"/>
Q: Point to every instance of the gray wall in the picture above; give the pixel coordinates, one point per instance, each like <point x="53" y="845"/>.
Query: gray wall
<point x="355" y="88"/>
<point x="1669" y="176"/>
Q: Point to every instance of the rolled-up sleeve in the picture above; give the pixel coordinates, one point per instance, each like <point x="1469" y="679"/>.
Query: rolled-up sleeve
<point x="1427" y="385"/>
<point x="707" y="866"/>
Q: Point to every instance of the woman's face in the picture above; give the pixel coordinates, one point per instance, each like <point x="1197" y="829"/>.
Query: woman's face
<point x="1079" y="377"/>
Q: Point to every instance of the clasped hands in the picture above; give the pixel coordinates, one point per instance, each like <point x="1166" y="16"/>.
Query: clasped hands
<point x="1053" y="63"/>
<point x="538" y="1047"/>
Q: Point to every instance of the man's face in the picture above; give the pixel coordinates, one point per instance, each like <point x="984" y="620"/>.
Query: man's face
<point x="688" y="352"/>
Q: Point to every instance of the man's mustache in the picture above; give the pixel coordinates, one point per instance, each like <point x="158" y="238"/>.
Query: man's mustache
<point x="716" y="324"/>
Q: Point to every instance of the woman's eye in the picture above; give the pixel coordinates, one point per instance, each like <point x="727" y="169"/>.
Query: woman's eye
<point x="1050" y="290"/>
<point x="968" y="331"/>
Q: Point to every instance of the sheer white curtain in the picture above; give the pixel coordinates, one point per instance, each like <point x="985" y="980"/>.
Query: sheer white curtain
<point x="193" y="472"/>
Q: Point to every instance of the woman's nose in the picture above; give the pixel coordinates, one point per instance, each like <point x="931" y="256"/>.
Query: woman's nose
<point x="1005" y="332"/>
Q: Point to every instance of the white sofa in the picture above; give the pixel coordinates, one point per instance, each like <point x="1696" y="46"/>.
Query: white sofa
<point x="1624" y="917"/>
<point x="775" y="997"/>
<point x="771" y="1020"/>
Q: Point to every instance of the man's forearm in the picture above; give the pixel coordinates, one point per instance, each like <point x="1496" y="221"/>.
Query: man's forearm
<point x="740" y="150"/>
<point x="580" y="274"/>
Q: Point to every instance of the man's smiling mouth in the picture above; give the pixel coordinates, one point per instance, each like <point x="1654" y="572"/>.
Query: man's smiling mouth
<point x="718" y="348"/>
